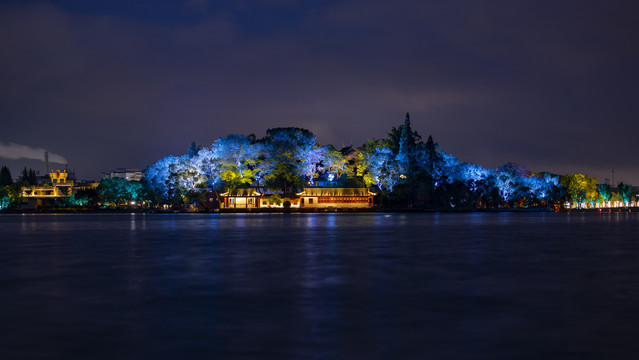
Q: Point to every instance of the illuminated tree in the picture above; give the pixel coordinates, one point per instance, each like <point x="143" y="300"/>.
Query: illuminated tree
<point x="362" y="166"/>
<point x="406" y="151"/>
<point x="379" y="166"/>
<point x="292" y="156"/>
<point x="475" y="178"/>
<point x="208" y="166"/>
<point x="543" y="187"/>
<point x="508" y="179"/>
<point x="236" y="160"/>
<point x="265" y="164"/>
<point x="184" y="180"/>
<point x="430" y="165"/>
<point x="616" y="198"/>
<point x="119" y="191"/>
<point x="580" y="188"/>
<point x="333" y="163"/>
<point x="194" y="149"/>
<point x="311" y="164"/>
<point x="157" y="177"/>
<point x="625" y="191"/>
<point x="605" y="192"/>
<point x="5" y="197"/>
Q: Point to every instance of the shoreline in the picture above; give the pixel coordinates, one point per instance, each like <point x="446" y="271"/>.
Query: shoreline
<point x="314" y="211"/>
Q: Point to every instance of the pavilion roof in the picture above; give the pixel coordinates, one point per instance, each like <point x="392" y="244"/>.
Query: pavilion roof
<point x="241" y="193"/>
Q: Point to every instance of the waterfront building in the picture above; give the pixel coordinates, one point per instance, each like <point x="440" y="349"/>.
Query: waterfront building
<point x="247" y="198"/>
<point x="60" y="187"/>
<point x="318" y="198"/>
<point x="124" y="173"/>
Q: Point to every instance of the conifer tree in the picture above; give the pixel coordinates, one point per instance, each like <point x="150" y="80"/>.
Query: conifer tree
<point x="25" y="175"/>
<point x="5" y="176"/>
<point x="33" y="179"/>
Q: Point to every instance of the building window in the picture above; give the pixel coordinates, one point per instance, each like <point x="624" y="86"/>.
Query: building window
<point x="231" y="201"/>
<point x="250" y="201"/>
<point x="310" y="201"/>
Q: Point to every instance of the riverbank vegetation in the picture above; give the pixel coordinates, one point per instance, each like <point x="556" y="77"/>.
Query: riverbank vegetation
<point x="402" y="169"/>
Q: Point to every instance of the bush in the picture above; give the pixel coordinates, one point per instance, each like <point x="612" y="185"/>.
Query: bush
<point x="275" y="199"/>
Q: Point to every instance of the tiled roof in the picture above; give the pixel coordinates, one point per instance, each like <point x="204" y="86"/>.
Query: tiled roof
<point x="241" y="192"/>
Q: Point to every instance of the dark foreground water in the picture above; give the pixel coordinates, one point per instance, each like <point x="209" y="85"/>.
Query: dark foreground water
<point x="323" y="286"/>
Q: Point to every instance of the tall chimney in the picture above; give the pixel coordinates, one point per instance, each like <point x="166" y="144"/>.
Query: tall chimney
<point x="46" y="161"/>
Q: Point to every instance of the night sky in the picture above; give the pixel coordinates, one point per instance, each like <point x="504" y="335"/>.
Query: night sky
<point x="552" y="85"/>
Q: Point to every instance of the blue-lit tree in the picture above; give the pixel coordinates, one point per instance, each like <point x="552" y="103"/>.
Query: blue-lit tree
<point x="311" y="164"/>
<point x="476" y="179"/>
<point x="544" y="188"/>
<point x="380" y="168"/>
<point x="185" y="182"/>
<point x="157" y="178"/>
<point x="406" y="170"/>
<point x="293" y="157"/>
<point x="508" y="183"/>
<point x="208" y="165"/>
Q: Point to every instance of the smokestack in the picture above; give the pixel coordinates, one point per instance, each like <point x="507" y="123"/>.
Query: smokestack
<point x="46" y="161"/>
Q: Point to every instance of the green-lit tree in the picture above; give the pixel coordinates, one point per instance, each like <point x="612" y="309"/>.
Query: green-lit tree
<point x="236" y="160"/>
<point x="625" y="191"/>
<point x="333" y="163"/>
<point x="580" y="188"/>
<point x="5" y="199"/>
<point x="9" y="196"/>
<point x="119" y="191"/>
<point x="605" y="192"/>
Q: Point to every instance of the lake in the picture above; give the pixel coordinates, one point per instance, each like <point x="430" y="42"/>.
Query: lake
<point x="320" y="286"/>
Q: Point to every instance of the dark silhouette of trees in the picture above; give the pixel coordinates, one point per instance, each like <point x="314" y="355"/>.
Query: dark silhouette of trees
<point x="5" y="176"/>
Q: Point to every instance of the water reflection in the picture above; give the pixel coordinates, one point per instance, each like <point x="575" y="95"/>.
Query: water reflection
<point x="333" y="285"/>
<point x="133" y="221"/>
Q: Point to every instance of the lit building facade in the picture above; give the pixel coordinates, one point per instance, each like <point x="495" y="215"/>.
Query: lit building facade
<point x="126" y="174"/>
<point x="241" y="199"/>
<point x="355" y="198"/>
<point x="61" y="186"/>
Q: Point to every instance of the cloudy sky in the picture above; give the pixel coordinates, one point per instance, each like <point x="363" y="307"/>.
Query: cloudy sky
<point x="552" y="85"/>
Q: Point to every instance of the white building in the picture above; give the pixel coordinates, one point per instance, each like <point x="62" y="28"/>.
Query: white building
<point x="126" y="174"/>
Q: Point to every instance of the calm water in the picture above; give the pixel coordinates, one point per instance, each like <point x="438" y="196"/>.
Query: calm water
<point x="324" y="286"/>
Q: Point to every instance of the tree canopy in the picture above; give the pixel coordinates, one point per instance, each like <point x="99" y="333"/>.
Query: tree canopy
<point x="401" y="168"/>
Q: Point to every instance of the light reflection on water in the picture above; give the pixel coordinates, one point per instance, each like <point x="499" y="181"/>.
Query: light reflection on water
<point x="475" y="285"/>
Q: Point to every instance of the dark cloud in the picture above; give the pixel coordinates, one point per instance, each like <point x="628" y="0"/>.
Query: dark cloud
<point x="549" y="84"/>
